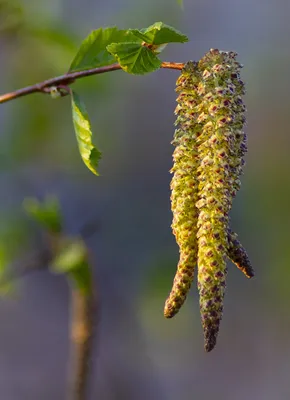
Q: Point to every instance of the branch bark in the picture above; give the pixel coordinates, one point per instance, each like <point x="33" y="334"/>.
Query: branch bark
<point x="69" y="78"/>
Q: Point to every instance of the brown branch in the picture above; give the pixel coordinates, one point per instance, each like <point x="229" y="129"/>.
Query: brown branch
<point x="67" y="79"/>
<point x="84" y="316"/>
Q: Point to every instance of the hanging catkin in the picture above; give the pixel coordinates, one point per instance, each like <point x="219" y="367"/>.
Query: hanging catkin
<point x="208" y="158"/>
<point x="184" y="187"/>
<point x="220" y="161"/>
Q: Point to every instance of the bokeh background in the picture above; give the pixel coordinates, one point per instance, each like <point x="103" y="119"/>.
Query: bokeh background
<point x="140" y="355"/>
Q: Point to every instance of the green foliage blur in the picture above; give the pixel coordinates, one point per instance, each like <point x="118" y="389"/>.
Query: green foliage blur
<point x="46" y="213"/>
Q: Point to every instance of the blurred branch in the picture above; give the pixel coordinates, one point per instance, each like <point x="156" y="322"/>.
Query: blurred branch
<point x="69" y="78"/>
<point x="84" y="311"/>
<point x="84" y="314"/>
<point x="40" y="260"/>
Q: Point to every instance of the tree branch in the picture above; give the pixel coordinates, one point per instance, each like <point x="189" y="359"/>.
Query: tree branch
<point x="67" y="79"/>
<point x="84" y="318"/>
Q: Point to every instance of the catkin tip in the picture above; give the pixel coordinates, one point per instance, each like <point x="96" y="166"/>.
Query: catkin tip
<point x="168" y="312"/>
<point x="210" y="338"/>
<point x="249" y="273"/>
<point x="238" y="255"/>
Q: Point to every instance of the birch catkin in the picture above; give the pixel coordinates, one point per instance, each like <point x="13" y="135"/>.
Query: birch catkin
<point x="238" y="255"/>
<point x="184" y="187"/>
<point x="220" y="162"/>
<point x="208" y="160"/>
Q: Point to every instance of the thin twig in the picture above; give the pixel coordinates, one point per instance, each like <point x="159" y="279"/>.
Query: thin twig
<point x="69" y="78"/>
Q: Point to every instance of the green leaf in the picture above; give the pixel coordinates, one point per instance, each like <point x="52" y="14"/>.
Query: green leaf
<point x="159" y="33"/>
<point x="72" y="253"/>
<point x="47" y="213"/>
<point x="89" y="153"/>
<point x="93" y="52"/>
<point x="134" y="58"/>
<point x="82" y="277"/>
<point x="72" y="259"/>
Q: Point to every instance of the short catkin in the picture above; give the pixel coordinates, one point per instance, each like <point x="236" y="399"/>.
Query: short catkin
<point x="238" y="255"/>
<point x="184" y="187"/>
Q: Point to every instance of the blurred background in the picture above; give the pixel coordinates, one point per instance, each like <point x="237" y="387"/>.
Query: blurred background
<point x="140" y="355"/>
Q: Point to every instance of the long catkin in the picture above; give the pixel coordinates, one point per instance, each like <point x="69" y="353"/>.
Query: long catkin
<point x="222" y="118"/>
<point x="184" y="187"/>
<point x="208" y="158"/>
